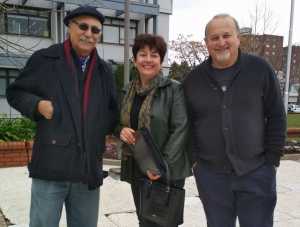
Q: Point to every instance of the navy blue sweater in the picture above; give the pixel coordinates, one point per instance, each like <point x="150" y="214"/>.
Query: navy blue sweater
<point x="241" y="128"/>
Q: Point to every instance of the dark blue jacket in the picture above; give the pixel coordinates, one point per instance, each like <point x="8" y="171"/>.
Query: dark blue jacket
<point x="65" y="147"/>
<point x="245" y="125"/>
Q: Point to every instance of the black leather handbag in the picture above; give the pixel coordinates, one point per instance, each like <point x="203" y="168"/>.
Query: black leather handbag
<point x="160" y="202"/>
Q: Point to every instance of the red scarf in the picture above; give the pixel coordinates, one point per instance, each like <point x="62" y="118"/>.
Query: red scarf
<point x="88" y="78"/>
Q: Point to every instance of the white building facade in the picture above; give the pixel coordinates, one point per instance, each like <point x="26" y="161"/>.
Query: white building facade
<point x="30" y="25"/>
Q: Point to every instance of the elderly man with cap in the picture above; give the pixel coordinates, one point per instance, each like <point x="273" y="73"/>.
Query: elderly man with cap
<point x="70" y="93"/>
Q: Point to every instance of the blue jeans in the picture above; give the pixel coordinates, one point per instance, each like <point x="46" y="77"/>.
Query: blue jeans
<point x="48" y="197"/>
<point x="251" y="197"/>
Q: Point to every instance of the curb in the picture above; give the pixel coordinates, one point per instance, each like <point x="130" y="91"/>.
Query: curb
<point x="291" y="157"/>
<point x="116" y="162"/>
<point x="113" y="162"/>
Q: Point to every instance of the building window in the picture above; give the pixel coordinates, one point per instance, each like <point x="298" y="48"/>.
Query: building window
<point x="113" y="31"/>
<point x="7" y="76"/>
<point x="2" y="23"/>
<point x="17" y="24"/>
<point x="111" y="34"/>
<point x="23" y="21"/>
<point x="132" y="34"/>
<point x="38" y="26"/>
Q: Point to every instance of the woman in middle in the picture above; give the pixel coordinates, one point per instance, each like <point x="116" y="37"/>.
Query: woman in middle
<point x="157" y="103"/>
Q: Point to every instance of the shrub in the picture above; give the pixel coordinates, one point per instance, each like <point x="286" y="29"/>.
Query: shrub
<point x="119" y="75"/>
<point x="16" y="129"/>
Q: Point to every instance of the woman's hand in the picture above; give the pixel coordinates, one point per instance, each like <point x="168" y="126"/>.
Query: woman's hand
<point x="127" y="135"/>
<point x="152" y="176"/>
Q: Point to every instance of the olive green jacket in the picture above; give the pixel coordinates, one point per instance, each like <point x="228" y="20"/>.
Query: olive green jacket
<point x="169" y="129"/>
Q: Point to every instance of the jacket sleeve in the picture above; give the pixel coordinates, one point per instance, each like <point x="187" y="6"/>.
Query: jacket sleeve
<point x="23" y="94"/>
<point x="178" y="124"/>
<point x="275" y="119"/>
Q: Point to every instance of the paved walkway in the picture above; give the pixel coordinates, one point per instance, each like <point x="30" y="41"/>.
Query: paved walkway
<point x="2" y="220"/>
<point x="117" y="209"/>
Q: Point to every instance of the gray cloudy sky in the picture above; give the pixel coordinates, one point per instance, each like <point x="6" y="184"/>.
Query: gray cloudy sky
<point x="191" y="16"/>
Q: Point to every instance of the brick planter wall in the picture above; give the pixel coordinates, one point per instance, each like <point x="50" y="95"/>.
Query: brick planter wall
<point x="293" y="132"/>
<point x="13" y="154"/>
<point x="111" y="148"/>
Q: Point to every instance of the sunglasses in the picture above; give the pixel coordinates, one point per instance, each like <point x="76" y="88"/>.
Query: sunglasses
<point x="85" y="27"/>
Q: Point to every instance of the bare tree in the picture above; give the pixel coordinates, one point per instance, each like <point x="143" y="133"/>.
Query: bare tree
<point x="179" y="71"/>
<point x="188" y="51"/>
<point x="263" y="19"/>
<point x="260" y="40"/>
<point x="186" y="54"/>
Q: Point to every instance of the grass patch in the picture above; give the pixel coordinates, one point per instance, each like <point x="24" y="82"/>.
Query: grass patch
<point x="293" y="121"/>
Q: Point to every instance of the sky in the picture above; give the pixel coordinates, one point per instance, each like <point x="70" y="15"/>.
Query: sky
<point x="190" y="16"/>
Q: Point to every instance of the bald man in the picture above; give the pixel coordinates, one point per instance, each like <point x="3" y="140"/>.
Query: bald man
<point x="238" y="128"/>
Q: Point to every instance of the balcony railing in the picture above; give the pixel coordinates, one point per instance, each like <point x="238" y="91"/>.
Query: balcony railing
<point x="149" y="7"/>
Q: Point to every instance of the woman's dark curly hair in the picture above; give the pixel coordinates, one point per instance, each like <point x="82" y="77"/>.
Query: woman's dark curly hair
<point x="154" y="42"/>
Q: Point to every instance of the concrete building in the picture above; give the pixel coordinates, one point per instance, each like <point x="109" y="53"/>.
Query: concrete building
<point x="29" y="25"/>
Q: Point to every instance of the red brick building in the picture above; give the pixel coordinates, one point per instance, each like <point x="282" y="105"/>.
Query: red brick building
<point x="270" y="47"/>
<point x="295" y="64"/>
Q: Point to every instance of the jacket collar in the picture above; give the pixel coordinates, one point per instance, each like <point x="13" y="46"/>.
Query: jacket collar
<point x="207" y="66"/>
<point x="57" y="51"/>
<point x="163" y="81"/>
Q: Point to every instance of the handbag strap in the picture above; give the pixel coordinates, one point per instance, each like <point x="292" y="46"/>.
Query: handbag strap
<point x="148" y="137"/>
<point x="168" y="177"/>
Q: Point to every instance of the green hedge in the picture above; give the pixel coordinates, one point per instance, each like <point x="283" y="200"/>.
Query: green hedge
<point x="119" y="75"/>
<point x="18" y="129"/>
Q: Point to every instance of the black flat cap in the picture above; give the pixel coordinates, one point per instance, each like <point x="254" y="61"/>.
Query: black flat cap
<point x="84" y="11"/>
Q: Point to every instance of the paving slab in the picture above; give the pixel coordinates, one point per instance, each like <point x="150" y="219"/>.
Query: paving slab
<point x="2" y="220"/>
<point x="117" y="207"/>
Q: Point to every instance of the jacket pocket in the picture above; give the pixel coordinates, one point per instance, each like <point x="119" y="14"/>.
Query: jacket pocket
<point x="55" y="139"/>
<point x="56" y="156"/>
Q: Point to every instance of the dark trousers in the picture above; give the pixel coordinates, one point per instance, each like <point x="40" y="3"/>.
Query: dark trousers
<point x="251" y="197"/>
<point x="135" y="188"/>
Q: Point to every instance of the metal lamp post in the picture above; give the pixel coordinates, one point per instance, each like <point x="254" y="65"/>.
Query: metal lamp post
<point x="288" y="65"/>
<point x="126" y="43"/>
